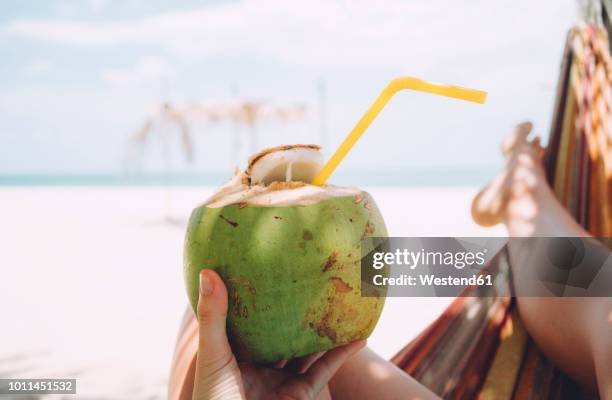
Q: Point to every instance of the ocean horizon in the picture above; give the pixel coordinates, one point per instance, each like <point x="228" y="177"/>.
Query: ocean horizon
<point x="406" y="176"/>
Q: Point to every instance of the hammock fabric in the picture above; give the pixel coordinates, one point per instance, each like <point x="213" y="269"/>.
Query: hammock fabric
<point x="478" y="348"/>
<point x="579" y="155"/>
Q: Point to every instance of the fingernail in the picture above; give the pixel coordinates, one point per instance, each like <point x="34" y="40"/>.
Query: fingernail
<point x="206" y="285"/>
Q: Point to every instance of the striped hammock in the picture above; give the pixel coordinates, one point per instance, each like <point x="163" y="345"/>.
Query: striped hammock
<point x="478" y="348"/>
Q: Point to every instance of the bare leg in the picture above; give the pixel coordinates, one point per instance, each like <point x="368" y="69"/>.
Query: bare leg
<point x="576" y="333"/>
<point x="368" y="376"/>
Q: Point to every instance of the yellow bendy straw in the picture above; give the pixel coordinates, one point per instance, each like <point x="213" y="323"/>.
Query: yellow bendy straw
<point x="477" y="96"/>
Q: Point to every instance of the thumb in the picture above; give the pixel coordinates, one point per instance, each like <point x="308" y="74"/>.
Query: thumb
<point x="217" y="374"/>
<point x="214" y="350"/>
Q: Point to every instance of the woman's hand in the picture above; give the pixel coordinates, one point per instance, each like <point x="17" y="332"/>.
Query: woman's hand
<point x="219" y="376"/>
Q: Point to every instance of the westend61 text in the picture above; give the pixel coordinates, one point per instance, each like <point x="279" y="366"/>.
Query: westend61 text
<point x="431" y="280"/>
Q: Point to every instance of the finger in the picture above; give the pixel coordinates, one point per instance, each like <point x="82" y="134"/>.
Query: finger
<point x="318" y="375"/>
<point x="301" y="364"/>
<point x="214" y="349"/>
<point x="308" y="361"/>
<point x="217" y="373"/>
<point x="280" y="364"/>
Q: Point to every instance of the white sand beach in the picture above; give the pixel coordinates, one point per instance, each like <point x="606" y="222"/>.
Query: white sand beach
<point x="92" y="288"/>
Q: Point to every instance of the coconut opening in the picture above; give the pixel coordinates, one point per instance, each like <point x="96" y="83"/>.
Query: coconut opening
<point x="279" y="177"/>
<point x="291" y="163"/>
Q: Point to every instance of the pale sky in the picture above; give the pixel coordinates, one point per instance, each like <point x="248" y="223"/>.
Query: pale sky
<point x="78" y="77"/>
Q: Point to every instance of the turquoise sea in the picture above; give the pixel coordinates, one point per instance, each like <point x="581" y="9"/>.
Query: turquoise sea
<point x="408" y="176"/>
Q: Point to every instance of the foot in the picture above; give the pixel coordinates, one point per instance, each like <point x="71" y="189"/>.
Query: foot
<point x="520" y="196"/>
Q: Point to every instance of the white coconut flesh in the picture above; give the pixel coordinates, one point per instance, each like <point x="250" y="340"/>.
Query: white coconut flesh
<point x="285" y="164"/>
<point x="279" y="177"/>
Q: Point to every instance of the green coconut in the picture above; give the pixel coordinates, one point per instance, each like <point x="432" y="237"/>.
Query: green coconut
<point x="289" y="254"/>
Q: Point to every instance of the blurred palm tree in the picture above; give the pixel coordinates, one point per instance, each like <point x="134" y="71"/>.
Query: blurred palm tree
<point x="168" y="120"/>
<point x="247" y="114"/>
